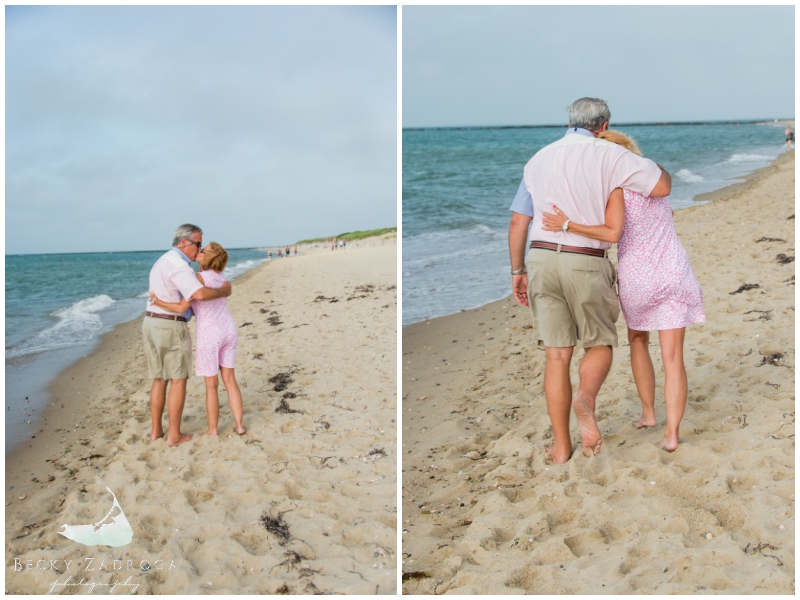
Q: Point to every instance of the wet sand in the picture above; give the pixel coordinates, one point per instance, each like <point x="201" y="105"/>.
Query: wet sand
<point x="485" y="512"/>
<point x="321" y="468"/>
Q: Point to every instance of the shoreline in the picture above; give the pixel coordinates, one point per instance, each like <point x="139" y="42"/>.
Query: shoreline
<point x="720" y="194"/>
<point x="485" y="512"/>
<point x="338" y="513"/>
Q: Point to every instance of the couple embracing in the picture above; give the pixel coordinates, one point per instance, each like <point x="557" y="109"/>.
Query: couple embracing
<point x="176" y="294"/>
<point x="578" y="195"/>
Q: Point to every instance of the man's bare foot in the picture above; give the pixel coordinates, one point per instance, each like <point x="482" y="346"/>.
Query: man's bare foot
<point x="185" y="437"/>
<point x="156" y="435"/>
<point x="647" y="421"/>
<point x="668" y="443"/>
<point x="559" y="458"/>
<point x="590" y="433"/>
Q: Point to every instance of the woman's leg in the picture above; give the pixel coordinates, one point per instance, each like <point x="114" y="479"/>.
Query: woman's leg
<point x="212" y="404"/>
<point x="234" y="397"/>
<point x="643" y="375"/>
<point x="675" y="383"/>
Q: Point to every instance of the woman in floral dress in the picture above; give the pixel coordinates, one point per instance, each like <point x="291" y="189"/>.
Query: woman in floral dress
<point x="657" y="290"/>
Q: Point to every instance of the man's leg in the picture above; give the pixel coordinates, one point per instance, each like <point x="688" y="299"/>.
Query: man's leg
<point x="558" y="393"/>
<point x="592" y="372"/>
<point x="158" y="398"/>
<point x="175" y="401"/>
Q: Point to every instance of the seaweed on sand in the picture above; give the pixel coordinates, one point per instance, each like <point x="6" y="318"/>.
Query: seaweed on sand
<point x="281" y="381"/>
<point x="412" y="575"/>
<point x="277" y="527"/>
<point x="746" y="286"/>
<point x="284" y="407"/>
<point x="376" y="453"/>
<point x="776" y="358"/>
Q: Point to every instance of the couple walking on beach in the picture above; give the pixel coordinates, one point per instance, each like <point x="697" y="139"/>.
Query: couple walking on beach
<point x="176" y="293"/>
<point x="578" y="195"/>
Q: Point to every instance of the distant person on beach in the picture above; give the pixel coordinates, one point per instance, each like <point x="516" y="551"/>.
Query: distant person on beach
<point x="789" y="137"/>
<point x="217" y="337"/>
<point x="570" y="292"/>
<point x="167" y="343"/>
<point x="657" y="290"/>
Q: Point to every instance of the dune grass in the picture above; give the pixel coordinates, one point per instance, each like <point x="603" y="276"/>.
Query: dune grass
<point x="352" y="235"/>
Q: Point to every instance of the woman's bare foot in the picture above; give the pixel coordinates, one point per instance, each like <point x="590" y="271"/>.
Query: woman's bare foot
<point x="559" y="458"/>
<point x="240" y="429"/>
<point x="185" y="437"/>
<point x="590" y="433"/>
<point x="156" y="435"/>
<point x="668" y="443"/>
<point x="210" y="432"/>
<point x="647" y="421"/>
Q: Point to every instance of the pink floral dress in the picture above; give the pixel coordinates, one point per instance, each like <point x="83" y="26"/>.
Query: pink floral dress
<point x="216" y="330"/>
<point x="657" y="289"/>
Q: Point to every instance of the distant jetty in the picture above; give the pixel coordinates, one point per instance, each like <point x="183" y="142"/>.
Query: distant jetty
<point x="563" y="125"/>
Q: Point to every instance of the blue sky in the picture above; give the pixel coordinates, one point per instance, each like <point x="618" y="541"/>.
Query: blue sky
<point x="262" y="125"/>
<point x="514" y="65"/>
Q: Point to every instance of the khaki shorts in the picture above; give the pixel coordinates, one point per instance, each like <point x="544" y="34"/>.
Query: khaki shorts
<point x="572" y="298"/>
<point x="168" y="347"/>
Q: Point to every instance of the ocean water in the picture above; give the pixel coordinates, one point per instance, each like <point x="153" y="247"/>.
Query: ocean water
<point x="56" y="301"/>
<point x="458" y="184"/>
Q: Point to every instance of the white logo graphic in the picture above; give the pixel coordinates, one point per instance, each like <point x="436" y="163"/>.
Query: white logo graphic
<point x="111" y="530"/>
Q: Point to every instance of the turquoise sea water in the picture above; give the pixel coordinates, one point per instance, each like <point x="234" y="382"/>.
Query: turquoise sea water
<point x="58" y="301"/>
<point x="458" y="184"/>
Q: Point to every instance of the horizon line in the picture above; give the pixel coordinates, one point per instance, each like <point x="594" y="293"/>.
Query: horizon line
<point x="632" y="124"/>
<point x="123" y="251"/>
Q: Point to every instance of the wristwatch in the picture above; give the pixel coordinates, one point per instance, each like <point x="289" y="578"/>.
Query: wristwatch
<point x="152" y="301"/>
<point x="565" y="226"/>
<point x="522" y="271"/>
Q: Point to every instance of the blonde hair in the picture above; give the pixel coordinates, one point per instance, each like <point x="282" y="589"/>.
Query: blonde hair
<point x="216" y="259"/>
<point x="617" y="137"/>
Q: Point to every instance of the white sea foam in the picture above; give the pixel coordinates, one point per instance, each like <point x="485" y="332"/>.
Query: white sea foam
<point x="740" y="158"/>
<point x="687" y="176"/>
<point x="232" y="271"/>
<point x="476" y="232"/>
<point x="75" y="326"/>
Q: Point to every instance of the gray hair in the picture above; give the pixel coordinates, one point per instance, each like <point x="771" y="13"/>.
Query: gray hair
<point x="589" y="113"/>
<point x="184" y="232"/>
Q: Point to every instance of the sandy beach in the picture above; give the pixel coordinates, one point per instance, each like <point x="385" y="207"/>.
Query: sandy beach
<point x="316" y="365"/>
<point x="485" y="513"/>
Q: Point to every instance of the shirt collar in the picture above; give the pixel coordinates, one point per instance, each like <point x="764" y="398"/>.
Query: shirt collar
<point x="579" y="131"/>
<point x="183" y="256"/>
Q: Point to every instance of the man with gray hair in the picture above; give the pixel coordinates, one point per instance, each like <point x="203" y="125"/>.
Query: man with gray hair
<point x="567" y="279"/>
<point x="167" y="343"/>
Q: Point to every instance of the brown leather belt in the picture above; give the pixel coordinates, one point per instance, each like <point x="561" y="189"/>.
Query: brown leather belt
<point x="570" y="249"/>
<point x="170" y="317"/>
